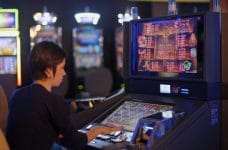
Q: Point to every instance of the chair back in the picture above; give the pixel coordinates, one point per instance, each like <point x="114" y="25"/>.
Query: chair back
<point x="98" y="82"/>
<point x="4" y="110"/>
<point x="3" y="143"/>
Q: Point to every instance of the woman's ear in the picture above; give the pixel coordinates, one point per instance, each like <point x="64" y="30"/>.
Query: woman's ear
<point x="49" y="73"/>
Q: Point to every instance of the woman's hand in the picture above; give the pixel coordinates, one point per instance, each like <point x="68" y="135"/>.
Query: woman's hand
<point x="100" y="130"/>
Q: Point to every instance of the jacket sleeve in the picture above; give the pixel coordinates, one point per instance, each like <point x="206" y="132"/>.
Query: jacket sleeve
<point x="61" y="120"/>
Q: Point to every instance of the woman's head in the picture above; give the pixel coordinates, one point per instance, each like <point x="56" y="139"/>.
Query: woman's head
<point x="45" y="60"/>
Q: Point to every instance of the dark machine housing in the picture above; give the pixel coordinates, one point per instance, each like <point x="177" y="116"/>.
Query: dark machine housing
<point x="171" y="63"/>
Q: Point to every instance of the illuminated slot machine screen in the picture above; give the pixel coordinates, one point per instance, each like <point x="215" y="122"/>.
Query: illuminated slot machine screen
<point x="170" y="47"/>
<point x="88" y="47"/>
<point x="41" y="33"/>
<point x="7" y="20"/>
<point x="8" y="59"/>
<point x="8" y="45"/>
<point x="130" y="112"/>
<point x="8" y="65"/>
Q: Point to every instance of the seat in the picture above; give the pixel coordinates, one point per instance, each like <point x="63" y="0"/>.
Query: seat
<point x="4" y="110"/>
<point x="3" y="143"/>
<point x="98" y="82"/>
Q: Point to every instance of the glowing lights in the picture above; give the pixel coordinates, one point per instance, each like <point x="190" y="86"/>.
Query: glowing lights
<point x="126" y="17"/>
<point x="45" y="30"/>
<point x="19" y="72"/>
<point x="9" y="33"/>
<point x="167" y="114"/>
<point x="45" y="18"/>
<point x="33" y="31"/>
<point x="87" y="18"/>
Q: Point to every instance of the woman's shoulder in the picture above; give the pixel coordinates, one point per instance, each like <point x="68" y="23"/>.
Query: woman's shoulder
<point x="31" y="90"/>
<point x="20" y="90"/>
<point x="36" y="91"/>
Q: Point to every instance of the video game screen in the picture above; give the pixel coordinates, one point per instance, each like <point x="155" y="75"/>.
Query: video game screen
<point x="7" y="20"/>
<point x="8" y="45"/>
<point x="45" y="33"/>
<point x="8" y="65"/>
<point x="130" y="112"/>
<point x="168" y="46"/>
<point x="88" y="47"/>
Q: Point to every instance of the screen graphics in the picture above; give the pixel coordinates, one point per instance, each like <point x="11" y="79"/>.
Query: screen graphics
<point x="171" y="46"/>
<point x="130" y="112"/>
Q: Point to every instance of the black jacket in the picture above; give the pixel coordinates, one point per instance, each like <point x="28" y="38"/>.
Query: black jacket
<point x="36" y="119"/>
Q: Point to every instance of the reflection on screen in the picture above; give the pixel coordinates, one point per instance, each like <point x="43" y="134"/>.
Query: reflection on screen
<point x="130" y="112"/>
<point x="167" y="46"/>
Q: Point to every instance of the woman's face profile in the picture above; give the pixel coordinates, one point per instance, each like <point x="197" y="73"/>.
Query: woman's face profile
<point x="60" y="72"/>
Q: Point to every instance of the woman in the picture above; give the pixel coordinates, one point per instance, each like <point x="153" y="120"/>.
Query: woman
<point x="38" y="117"/>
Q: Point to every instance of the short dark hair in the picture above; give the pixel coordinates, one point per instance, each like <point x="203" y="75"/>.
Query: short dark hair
<point x="45" y="55"/>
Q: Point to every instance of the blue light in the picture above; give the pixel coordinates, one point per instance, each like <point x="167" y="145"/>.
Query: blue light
<point x="184" y="91"/>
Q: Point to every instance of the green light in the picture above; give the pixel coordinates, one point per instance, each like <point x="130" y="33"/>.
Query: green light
<point x="122" y="85"/>
<point x="80" y="87"/>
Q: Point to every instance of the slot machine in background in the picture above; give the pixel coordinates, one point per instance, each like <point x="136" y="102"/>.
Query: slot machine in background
<point x="119" y="48"/>
<point x="88" y="48"/>
<point x="10" y="54"/>
<point x="45" y="30"/>
<point x="119" y="40"/>
<point x="87" y="45"/>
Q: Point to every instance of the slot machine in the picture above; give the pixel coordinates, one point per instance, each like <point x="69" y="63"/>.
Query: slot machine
<point x="88" y="48"/>
<point x="172" y="76"/>
<point x="10" y="53"/>
<point x="119" y="41"/>
<point x="45" y="30"/>
<point x="87" y="45"/>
